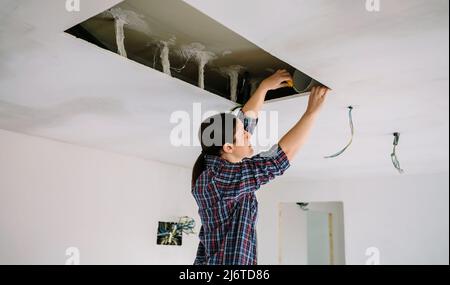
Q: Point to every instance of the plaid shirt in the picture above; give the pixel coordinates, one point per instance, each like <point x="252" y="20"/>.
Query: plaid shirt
<point x="225" y="194"/>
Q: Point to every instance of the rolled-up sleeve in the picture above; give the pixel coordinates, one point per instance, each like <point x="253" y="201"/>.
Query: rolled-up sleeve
<point x="236" y="179"/>
<point x="249" y="122"/>
<point x="261" y="168"/>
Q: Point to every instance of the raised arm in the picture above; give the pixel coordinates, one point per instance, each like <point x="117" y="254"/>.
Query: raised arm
<point x="275" y="81"/>
<point x="293" y="140"/>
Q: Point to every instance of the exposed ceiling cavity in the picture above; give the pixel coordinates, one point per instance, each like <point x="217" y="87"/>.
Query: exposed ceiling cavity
<point x="193" y="48"/>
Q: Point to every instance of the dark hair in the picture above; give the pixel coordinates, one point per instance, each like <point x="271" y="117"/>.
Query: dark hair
<point x="214" y="132"/>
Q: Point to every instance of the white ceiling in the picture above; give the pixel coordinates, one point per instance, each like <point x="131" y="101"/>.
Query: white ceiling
<point x="392" y="65"/>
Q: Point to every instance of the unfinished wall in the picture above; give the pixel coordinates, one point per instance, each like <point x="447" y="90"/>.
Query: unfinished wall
<point x="55" y="195"/>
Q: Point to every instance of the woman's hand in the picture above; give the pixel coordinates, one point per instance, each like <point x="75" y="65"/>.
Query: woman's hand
<point x="277" y="80"/>
<point x="294" y="140"/>
<point x="316" y="99"/>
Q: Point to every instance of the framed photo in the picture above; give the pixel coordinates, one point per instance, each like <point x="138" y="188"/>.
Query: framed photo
<point x="169" y="233"/>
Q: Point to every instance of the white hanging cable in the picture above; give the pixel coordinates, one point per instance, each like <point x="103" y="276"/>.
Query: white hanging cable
<point x="179" y="69"/>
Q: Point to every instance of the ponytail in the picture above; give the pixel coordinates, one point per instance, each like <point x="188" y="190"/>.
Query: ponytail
<point x="215" y="149"/>
<point x="199" y="167"/>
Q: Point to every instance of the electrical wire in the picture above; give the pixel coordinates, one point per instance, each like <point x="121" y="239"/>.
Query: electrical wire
<point x="352" y="131"/>
<point x="394" y="157"/>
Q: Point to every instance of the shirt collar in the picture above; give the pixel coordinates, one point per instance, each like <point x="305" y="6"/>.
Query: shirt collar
<point x="213" y="160"/>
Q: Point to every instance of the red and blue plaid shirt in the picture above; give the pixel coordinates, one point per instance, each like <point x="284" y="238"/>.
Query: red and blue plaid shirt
<point x="225" y="194"/>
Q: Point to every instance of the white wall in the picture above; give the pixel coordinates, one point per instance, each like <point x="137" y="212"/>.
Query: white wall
<point x="55" y="195"/>
<point x="405" y="217"/>
<point x="293" y="241"/>
<point x="337" y="211"/>
<point x="293" y="232"/>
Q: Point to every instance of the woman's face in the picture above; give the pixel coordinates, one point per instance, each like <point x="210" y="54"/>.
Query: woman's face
<point x="242" y="147"/>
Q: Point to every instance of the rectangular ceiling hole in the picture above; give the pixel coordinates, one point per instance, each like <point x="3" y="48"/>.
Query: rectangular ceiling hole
<point x="174" y="38"/>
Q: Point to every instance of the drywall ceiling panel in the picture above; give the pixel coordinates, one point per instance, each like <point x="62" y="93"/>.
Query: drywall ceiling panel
<point x="50" y="16"/>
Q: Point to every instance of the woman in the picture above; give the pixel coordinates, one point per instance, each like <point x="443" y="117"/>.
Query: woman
<point x="226" y="175"/>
